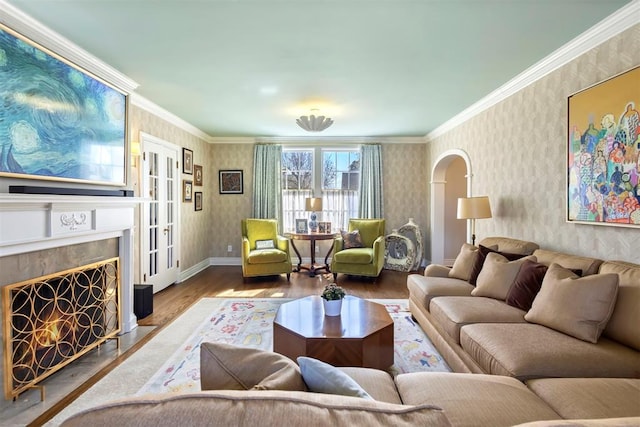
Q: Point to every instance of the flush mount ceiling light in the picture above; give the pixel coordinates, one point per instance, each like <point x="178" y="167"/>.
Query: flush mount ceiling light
<point x="313" y="122"/>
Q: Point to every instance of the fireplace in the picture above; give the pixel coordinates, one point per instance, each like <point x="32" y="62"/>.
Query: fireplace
<point x="52" y="320"/>
<point x="38" y="243"/>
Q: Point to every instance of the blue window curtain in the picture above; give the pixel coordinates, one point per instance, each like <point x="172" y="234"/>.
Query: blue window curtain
<point x="371" y="197"/>
<point x="267" y="189"/>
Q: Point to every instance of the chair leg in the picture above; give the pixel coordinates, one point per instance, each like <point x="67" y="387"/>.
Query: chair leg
<point x="335" y="276"/>
<point x="288" y="276"/>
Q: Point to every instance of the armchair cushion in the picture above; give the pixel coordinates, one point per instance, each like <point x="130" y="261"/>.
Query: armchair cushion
<point x="355" y="256"/>
<point x="258" y="229"/>
<point x="266" y="256"/>
<point x="370" y="230"/>
<point x="351" y="239"/>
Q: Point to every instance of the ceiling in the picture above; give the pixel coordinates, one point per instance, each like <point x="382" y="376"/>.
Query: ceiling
<point x="243" y="68"/>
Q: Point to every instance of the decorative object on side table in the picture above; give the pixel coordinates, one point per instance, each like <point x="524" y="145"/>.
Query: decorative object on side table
<point x="332" y="299"/>
<point x="313" y="204"/>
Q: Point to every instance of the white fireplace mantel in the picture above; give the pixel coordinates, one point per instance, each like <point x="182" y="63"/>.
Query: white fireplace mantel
<point x="36" y="222"/>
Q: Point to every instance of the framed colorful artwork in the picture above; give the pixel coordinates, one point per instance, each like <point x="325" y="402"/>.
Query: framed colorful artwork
<point x="603" y="153"/>
<point x="197" y="175"/>
<point x="230" y="182"/>
<point x="187" y="161"/>
<point x="58" y="121"/>
<point x="187" y="191"/>
<point x="197" y="205"/>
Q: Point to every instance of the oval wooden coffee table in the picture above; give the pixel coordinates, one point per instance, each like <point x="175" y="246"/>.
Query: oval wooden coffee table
<point x="361" y="336"/>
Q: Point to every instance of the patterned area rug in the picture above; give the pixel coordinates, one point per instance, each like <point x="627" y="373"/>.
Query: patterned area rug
<point x="249" y="323"/>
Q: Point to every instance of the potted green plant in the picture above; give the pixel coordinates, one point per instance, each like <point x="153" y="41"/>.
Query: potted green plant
<point x="332" y="296"/>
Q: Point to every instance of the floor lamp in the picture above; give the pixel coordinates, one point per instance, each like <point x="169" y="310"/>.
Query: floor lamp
<point x="474" y="208"/>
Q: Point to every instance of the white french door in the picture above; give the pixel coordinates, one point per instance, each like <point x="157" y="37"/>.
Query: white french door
<point x="160" y="221"/>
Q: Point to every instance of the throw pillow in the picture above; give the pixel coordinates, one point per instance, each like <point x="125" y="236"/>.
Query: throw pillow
<point x="577" y="306"/>
<point x="464" y="262"/>
<point x="351" y="239"/>
<point x="321" y="377"/>
<point x="227" y="367"/>
<point x="483" y="251"/>
<point x="526" y="285"/>
<point x="497" y="276"/>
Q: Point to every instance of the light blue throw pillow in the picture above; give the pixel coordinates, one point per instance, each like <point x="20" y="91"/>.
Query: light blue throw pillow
<point x="321" y="377"/>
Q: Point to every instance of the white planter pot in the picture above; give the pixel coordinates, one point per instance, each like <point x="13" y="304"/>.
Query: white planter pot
<point x="332" y="308"/>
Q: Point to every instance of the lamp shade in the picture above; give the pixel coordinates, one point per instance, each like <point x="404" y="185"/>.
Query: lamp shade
<point x="313" y="204"/>
<point x="474" y="207"/>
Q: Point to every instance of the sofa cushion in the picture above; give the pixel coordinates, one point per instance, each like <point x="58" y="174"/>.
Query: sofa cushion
<point x="463" y="265"/>
<point x="422" y="289"/>
<point x="526" y="285"/>
<point x="497" y="276"/>
<point x="379" y="384"/>
<point x="578" y="306"/>
<point x="321" y="377"/>
<point x="228" y="367"/>
<point x="623" y="325"/>
<point x="507" y="244"/>
<point x="256" y="408"/>
<point x="483" y="251"/>
<point x="354" y="256"/>
<point x="590" y="397"/>
<point x="587" y="265"/>
<point x="452" y="313"/>
<point x="527" y="350"/>
<point x="474" y="399"/>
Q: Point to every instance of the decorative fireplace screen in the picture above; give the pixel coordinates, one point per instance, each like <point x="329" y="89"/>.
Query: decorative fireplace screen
<point x="52" y="320"/>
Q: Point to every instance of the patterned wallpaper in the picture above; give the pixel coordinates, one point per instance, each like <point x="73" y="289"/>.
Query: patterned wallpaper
<point x="518" y="157"/>
<point x="195" y="238"/>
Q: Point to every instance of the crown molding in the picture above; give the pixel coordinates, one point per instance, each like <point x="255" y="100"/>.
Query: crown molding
<point x="614" y="24"/>
<point x="34" y="30"/>
<point x="142" y="102"/>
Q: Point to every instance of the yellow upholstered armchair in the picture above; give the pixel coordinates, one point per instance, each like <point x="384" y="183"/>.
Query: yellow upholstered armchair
<point x="264" y="252"/>
<point x="361" y="253"/>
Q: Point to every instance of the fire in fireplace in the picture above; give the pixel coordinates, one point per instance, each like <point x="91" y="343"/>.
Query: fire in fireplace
<point x="52" y="320"/>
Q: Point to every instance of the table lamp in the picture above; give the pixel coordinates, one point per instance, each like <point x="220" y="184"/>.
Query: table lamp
<point x="474" y="208"/>
<point x="313" y="204"/>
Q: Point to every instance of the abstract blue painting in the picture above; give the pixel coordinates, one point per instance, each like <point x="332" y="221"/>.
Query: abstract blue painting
<point x="56" y="121"/>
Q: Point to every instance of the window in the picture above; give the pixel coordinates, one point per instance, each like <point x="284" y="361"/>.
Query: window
<point x="333" y="174"/>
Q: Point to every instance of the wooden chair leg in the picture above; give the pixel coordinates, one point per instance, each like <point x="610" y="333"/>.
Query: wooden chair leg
<point x="335" y="276"/>
<point x="288" y="276"/>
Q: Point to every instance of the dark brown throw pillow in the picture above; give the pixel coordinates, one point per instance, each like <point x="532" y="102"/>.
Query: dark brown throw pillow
<point x="526" y="285"/>
<point x="352" y="239"/>
<point x="482" y="256"/>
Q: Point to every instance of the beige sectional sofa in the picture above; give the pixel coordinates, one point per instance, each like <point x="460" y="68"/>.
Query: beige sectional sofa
<point x="415" y="399"/>
<point x="484" y="334"/>
<point x="545" y="377"/>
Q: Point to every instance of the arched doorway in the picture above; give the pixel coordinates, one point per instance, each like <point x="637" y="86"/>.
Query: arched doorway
<point x="450" y="179"/>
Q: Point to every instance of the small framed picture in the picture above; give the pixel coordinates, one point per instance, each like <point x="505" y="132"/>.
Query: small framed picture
<point x="301" y="226"/>
<point x="230" y="182"/>
<point x="197" y="175"/>
<point x="324" y="227"/>
<point x="187" y="161"/>
<point x="187" y="190"/>
<point x="197" y="205"/>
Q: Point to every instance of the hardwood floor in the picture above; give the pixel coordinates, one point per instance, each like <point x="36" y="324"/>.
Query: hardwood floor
<point x="222" y="282"/>
<point x="227" y="282"/>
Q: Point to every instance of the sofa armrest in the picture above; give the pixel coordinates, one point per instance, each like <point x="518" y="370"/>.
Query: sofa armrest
<point x="245" y="248"/>
<point x="437" y="270"/>
<point x="338" y="244"/>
